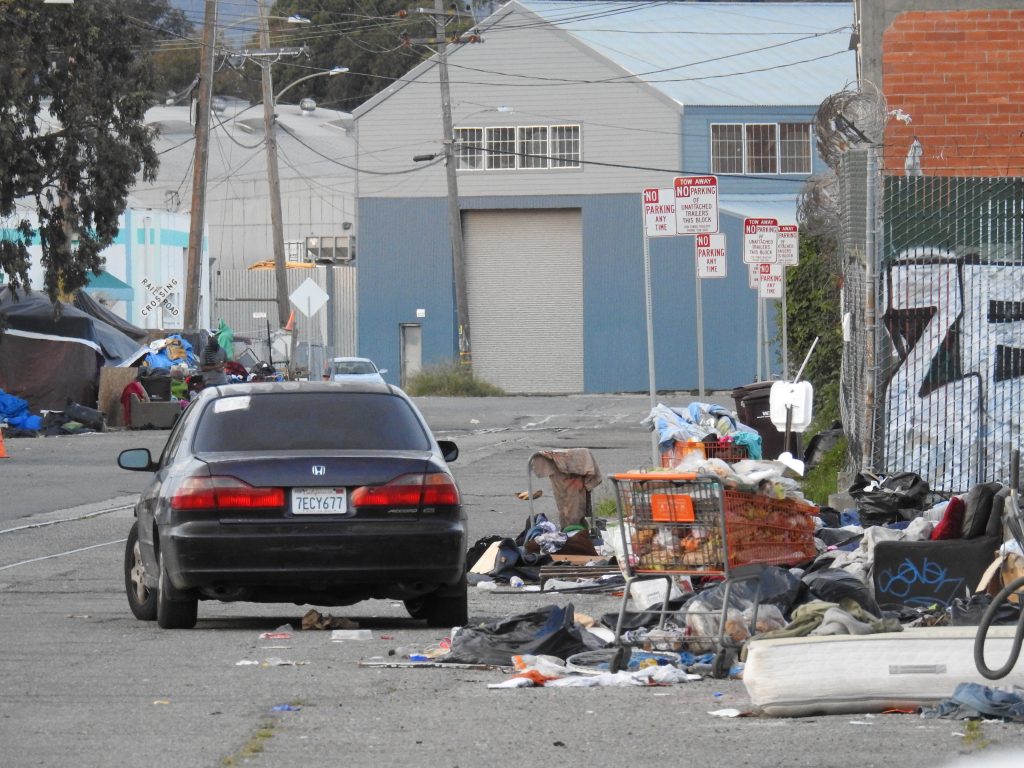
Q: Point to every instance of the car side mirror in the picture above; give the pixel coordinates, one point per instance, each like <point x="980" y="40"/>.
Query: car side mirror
<point x="382" y="371"/>
<point x="449" y="450"/>
<point x="136" y="459"/>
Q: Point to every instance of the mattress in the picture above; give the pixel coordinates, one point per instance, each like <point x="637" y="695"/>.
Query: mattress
<point x="843" y="674"/>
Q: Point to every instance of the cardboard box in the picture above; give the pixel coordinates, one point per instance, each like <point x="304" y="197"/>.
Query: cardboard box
<point x="1004" y="570"/>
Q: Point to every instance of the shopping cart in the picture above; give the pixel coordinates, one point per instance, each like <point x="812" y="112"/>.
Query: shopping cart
<point x="675" y="523"/>
<point x="726" y="450"/>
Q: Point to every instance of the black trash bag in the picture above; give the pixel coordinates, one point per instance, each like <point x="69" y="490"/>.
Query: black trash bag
<point x="823" y="442"/>
<point x="779" y="587"/>
<point x="834" y="584"/>
<point x="551" y="631"/>
<point x="83" y="414"/>
<point x="830" y="517"/>
<point x="513" y="560"/>
<point x="474" y="553"/>
<point x="900" y="496"/>
<point x="648" y="618"/>
<point x="968" y="613"/>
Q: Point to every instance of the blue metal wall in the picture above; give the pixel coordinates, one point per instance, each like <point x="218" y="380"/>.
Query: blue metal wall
<point x="404" y="263"/>
<point x="697" y="146"/>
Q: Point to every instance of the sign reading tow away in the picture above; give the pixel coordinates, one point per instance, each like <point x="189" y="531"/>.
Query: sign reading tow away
<point x="696" y="204"/>
<point x="787" y="245"/>
<point x="759" y="237"/>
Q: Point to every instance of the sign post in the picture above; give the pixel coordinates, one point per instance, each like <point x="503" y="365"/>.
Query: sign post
<point x="659" y="221"/>
<point x="759" y="247"/>
<point x="787" y="251"/>
<point x="310" y="299"/>
<point x="696" y="199"/>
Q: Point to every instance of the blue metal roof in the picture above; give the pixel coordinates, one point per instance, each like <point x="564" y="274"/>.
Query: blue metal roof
<point x="718" y="54"/>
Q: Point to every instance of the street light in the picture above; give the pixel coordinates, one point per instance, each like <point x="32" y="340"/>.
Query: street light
<point x="329" y="73"/>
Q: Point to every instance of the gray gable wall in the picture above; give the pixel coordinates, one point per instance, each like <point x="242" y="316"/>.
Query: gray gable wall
<point x="629" y="123"/>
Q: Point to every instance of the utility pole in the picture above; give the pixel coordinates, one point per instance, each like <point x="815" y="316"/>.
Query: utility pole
<point x="440" y="41"/>
<point x="454" y="211"/>
<point x="193" y="274"/>
<point x="273" y="179"/>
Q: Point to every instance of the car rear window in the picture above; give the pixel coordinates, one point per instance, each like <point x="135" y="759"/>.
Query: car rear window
<point x="310" y="421"/>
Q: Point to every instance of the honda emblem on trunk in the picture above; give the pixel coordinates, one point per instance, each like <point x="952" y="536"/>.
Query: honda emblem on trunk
<point x="319" y="470"/>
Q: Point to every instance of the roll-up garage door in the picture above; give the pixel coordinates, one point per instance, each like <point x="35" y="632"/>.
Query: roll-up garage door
<point x="524" y="277"/>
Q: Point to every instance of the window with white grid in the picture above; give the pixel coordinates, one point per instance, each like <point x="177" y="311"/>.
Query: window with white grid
<point x="794" y="148"/>
<point x="565" y="146"/>
<point x="727" y="148"/>
<point x="762" y="148"/>
<point x="527" y="147"/>
<point x="501" y="148"/>
<point x="533" y="146"/>
<point x="469" y="152"/>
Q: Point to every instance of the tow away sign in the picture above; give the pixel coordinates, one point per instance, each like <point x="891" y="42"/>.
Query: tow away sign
<point x="759" y="236"/>
<point x="660" y="212"/>
<point x="696" y="204"/>
<point x="787" y="245"/>
<point x="711" y="260"/>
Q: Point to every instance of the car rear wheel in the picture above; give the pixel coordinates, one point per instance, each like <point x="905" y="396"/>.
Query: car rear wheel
<point x="447" y="607"/>
<point x="141" y="599"/>
<point x="174" y="609"/>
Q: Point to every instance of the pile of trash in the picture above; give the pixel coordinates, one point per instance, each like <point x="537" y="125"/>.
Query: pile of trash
<point x="698" y="423"/>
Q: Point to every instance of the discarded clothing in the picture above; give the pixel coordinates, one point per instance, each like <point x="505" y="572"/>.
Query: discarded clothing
<point x="972" y="701"/>
<point x="810" y="616"/>
<point x="574" y="473"/>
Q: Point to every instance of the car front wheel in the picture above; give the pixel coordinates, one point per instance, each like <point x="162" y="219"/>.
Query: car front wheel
<point x="141" y="599"/>
<point x="174" y="609"/>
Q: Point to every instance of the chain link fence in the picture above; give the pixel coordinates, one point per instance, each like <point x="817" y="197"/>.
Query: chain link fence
<point x="933" y="313"/>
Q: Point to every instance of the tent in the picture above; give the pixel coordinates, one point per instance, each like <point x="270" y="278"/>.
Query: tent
<point x="85" y="301"/>
<point x="48" y="360"/>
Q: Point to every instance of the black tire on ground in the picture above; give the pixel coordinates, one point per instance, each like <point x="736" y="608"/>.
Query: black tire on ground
<point x="174" y="609"/>
<point x="447" y="607"/>
<point x="141" y="599"/>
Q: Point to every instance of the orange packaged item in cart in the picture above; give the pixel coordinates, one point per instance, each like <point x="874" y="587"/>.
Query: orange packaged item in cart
<point x="672" y="508"/>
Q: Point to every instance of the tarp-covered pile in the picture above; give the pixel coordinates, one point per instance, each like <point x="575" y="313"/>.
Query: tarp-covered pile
<point x="48" y="359"/>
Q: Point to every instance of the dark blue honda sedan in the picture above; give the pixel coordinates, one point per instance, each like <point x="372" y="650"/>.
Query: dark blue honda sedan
<point x="322" y="493"/>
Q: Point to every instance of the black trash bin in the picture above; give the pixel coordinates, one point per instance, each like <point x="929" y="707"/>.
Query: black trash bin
<point x="753" y="409"/>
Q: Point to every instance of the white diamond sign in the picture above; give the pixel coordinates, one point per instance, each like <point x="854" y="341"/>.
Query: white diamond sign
<point x="309" y="297"/>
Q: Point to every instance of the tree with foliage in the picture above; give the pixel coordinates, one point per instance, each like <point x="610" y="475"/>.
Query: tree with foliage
<point x="812" y="311"/>
<point x="75" y="84"/>
<point x="365" y="37"/>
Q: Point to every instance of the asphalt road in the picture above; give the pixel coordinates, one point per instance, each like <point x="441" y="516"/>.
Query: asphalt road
<point x="85" y="684"/>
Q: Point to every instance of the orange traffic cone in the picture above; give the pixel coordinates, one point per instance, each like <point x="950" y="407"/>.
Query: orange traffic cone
<point x="290" y="325"/>
<point x="3" y="451"/>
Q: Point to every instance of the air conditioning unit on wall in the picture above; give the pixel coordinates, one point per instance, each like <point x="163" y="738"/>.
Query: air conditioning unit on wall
<point x="331" y="249"/>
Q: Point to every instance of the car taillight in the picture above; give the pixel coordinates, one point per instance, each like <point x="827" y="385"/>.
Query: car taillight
<point x="223" y="492"/>
<point x="433" y="490"/>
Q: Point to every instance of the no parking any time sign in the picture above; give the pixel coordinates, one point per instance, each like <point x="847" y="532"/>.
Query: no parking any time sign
<point x="711" y="261"/>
